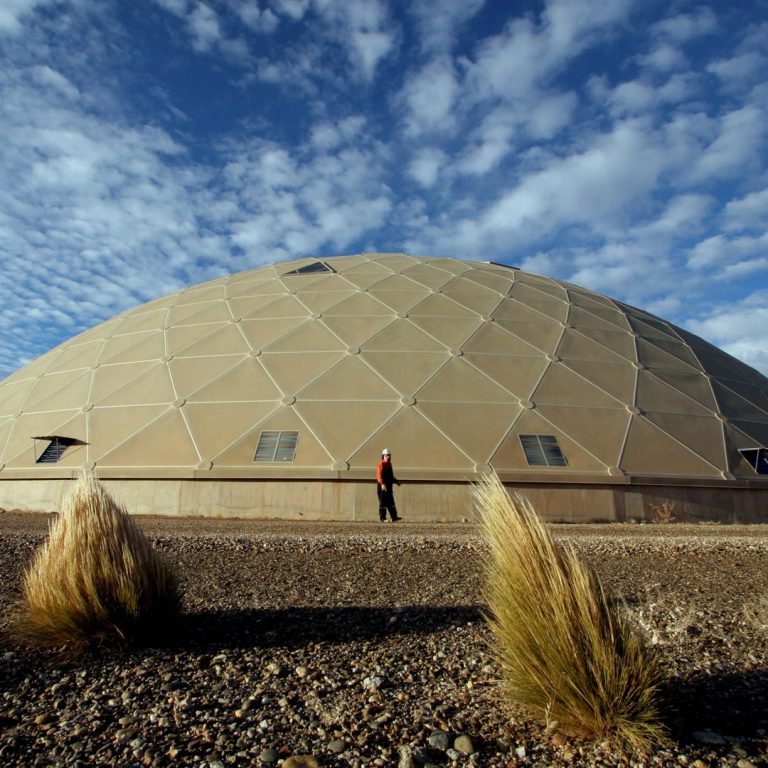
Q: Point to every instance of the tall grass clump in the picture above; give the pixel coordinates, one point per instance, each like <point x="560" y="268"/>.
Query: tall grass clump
<point x="95" y="578"/>
<point x="564" y="650"/>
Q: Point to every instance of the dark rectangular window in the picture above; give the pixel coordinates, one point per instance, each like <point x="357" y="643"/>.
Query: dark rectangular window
<point x="542" y="451"/>
<point x="55" y="449"/>
<point x="276" y="445"/>
<point x="311" y="269"/>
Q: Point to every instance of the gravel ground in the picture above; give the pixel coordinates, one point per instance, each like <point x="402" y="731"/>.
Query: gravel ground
<point x="363" y="645"/>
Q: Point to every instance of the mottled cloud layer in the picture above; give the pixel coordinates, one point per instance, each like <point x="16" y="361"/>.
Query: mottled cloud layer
<point x="617" y="144"/>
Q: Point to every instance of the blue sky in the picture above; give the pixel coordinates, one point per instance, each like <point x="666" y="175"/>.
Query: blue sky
<point x="152" y="144"/>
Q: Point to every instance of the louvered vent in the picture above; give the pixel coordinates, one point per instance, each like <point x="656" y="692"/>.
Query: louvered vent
<point x="543" y="451"/>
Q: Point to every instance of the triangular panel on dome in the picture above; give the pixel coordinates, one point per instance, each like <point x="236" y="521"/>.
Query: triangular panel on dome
<point x="309" y="451"/>
<point x="757" y="430"/>
<point x="472" y="296"/>
<point x="610" y="315"/>
<point x="701" y="434"/>
<point x="358" y="331"/>
<point x="406" y="371"/>
<point x="59" y="391"/>
<point x="716" y="363"/>
<point x="77" y="356"/>
<point x="12" y="396"/>
<point x="750" y="392"/>
<point x="394" y="262"/>
<point x="5" y="431"/>
<point x="164" y="442"/>
<point x="403" y="336"/>
<point x="342" y="264"/>
<point x="735" y="406"/>
<point x="477" y="428"/>
<point x="101" y="331"/>
<point x="693" y="384"/>
<point x="617" y="380"/>
<point x="653" y="394"/>
<point x="452" y="332"/>
<point x="211" y="291"/>
<point x="247" y="381"/>
<point x="653" y="356"/>
<point x="561" y="386"/>
<point x="319" y="301"/>
<point x="152" y="386"/>
<point x="292" y="371"/>
<point x="511" y="456"/>
<point x="590" y="300"/>
<point x="109" y="378"/>
<point x="284" y="306"/>
<point x="264" y="284"/>
<point x="524" y="291"/>
<point x="651" y="451"/>
<point x="361" y="274"/>
<point x="492" y="280"/>
<point x="216" y="426"/>
<point x="414" y="443"/>
<point x="200" y="314"/>
<point x="147" y="345"/>
<point x="544" y="284"/>
<point x="358" y="305"/>
<point x="514" y="311"/>
<point x="427" y="275"/>
<point x="459" y="381"/>
<point x="438" y="305"/>
<point x="349" y="380"/>
<point x="260" y="333"/>
<point x="109" y="427"/>
<point x="492" y="339"/>
<point x="342" y="427"/>
<point x="518" y="375"/>
<point x="398" y="284"/>
<point x="452" y="266"/>
<point x="621" y="343"/>
<point x="142" y="321"/>
<point x="398" y="301"/>
<point x="580" y="317"/>
<point x="309" y="336"/>
<point x="252" y="306"/>
<point x="600" y="431"/>
<point x="191" y="373"/>
<point x="574" y="345"/>
<point x="545" y="336"/>
<point x="651" y="330"/>
<point x="223" y="340"/>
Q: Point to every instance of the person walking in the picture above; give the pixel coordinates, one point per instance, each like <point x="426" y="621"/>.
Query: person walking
<point x="385" y="478"/>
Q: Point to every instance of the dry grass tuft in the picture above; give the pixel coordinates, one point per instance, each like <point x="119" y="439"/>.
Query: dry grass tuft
<point x="95" y="578"/>
<point x="563" y="649"/>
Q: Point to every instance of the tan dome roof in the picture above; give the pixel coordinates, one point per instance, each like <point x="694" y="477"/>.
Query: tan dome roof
<point x="307" y="368"/>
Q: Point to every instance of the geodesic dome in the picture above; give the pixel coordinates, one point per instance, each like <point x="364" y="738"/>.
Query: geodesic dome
<point x="305" y="369"/>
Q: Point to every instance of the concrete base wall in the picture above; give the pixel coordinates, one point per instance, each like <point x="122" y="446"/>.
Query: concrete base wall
<point x="416" y="501"/>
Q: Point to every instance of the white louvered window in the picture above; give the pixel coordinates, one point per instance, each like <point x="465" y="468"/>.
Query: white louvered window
<point x="276" y="445"/>
<point x="543" y="451"/>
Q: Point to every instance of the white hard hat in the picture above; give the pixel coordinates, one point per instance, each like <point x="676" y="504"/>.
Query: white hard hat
<point x="385" y="452"/>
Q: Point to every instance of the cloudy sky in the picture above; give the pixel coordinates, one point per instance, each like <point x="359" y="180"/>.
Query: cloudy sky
<point x="152" y="144"/>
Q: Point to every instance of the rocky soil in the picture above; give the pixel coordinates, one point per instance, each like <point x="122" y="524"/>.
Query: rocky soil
<point x="364" y="645"/>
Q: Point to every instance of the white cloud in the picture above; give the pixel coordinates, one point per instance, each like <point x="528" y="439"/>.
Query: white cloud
<point x="256" y="18"/>
<point x="664" y="58"/>
<point x="687" y="26"/>
<point x="426" y="165"/>
<point x="12" y="13"/>
<point x="738" y="328"/>
<point x="736" y="147"/>
<point x="747" y="212"/>
<point x="439" y="21"/>
<point x="429" y="97"/>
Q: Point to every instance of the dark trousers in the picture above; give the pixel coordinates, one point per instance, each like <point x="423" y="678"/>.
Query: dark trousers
<point x="386" y="502"/>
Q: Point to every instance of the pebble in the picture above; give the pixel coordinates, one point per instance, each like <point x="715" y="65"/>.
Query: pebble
<point x="269" y="756"/>
<point x="464" y="744"/>
<point x="301" y="761"/>
<point x="708" y="737"/>
<point x="440" y="740"/>
<point x="337" y="746"/>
